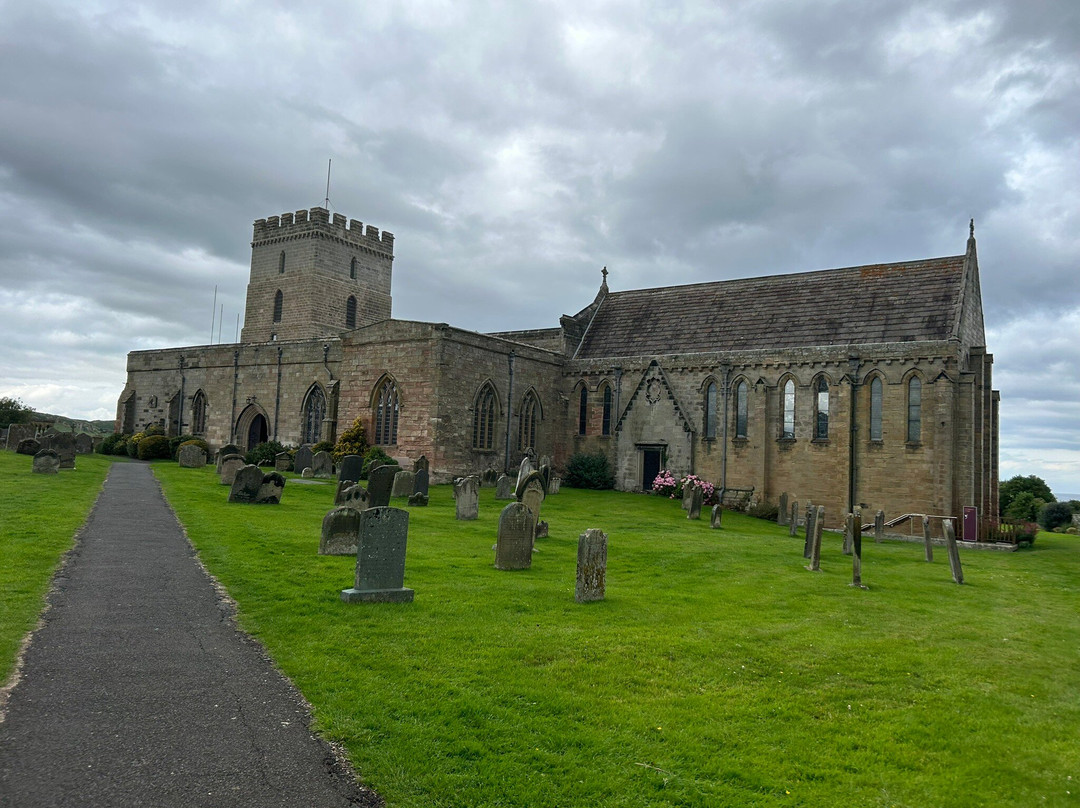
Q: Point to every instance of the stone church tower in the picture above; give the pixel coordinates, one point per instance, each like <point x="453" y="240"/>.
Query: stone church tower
<point x="314" y="277"/>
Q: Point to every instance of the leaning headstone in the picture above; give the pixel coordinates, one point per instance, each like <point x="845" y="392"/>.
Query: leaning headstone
<point x="488" y="478"/>
<point x="47" y="461"/>
<point x="695" y="503"/>
<point x="420" y="483"/>
<point x="28" y="446"/>
<point x="273" y="486"/>
<point x="303" y="459"/>
<point x="856" y="560"/>
<point x="793" y="519"/>
<point x="717" y="514"/>
<point x="308" y="473"/>
<point x="380" y="558"/>
<point x="191" y="456"/>
<point x="403" y="484"/>
<point x="466" y="493"/>
<point x="815" y="544"/>
<point x="354" y="496"/>
<point x="513" y="545"/>
<point x="531" y="477"/>
<point x="340" y="532"/>
<point x="282" y="461"/>
<point x="352" y="468"/>
<point x="224" y="452"/>
<point x="422" y="463"/>
<point x="380" y="483"/>
<point x="953" y="550"/>
<point x="246" y="484"/>
<point x="340" y="492"/>
<point x="928" y="545"/>
<point x="323" y="464"/>
<point x="879" y="526"/>
<point x="591" y="566"/>
<point x="229" y="467"/>
<point x="524" y="470"/>
<point x="849" y="533"/>
<point x="782" y="510"/>
<point x="84" y="444"/>
<point x="811" y="518"/>
<point x="503" y="489"/>
<point x="545" y="472"/>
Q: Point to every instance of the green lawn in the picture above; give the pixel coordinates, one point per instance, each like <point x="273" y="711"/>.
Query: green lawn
<point x="718" y="671"/>
<point x="39" y="514"/>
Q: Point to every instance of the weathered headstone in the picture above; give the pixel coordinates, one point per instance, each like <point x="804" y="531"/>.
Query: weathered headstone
<point x="380" y="483"/>
<point x="782" y="510"/>
<point x="953" y="550"/>
<point x="545" y="472"/>
<point x="84" y="444"/>
<point x="323" y="464"/>
<point x="308" y="473"/>
<point x="340" y="532"/>
<point x="513" y="545"/>
<point x="420" y="483"/>
<point x="849" y="533"/>
<point x="793" y="520"/>
<point x="47" y="461"/>
<point x="191" y="456"/>
<point x="282" y="461"/>
<point x="488" y="478"/>
<point x="380" y="558"/>
<point x="503" y="489"/>
<point x="303" y="459"/>
<point x="17" y="433"/>
<point x="418" y="499"/>
<point x="856" y="560"/>
<point x="229" y="466"/>
<point x="422" y="464"/>
<point x="811" y="517"/>
<point x="353" y="496"/>
<point x="815" y="544"/>
<point x="554" y="485"/>
<point x="273" y="486"/>
<point x="695" y="503"/>
<point x="531" y="477"/>
<point x="28" y="446"/>
<point x="929" y="545"/>
<point x="466" y="493"/>
<point x="524" y="470"/>
<point x="541" y="529"/>
<point x="591" y="566"/>
<point x="687" y="495"/>
<point x="879" y="526"/>
<point x="403" y="484"/>
<point x="63" y="443"/>
<point x="716" y="516"/>
<point x="246" y="484"/>
<point x="223" y="452"/>
<point x="352" y="468"/>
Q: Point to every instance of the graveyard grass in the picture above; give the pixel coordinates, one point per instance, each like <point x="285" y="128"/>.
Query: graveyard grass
<point x="39" y="516"/>
<point x="718" y="670"/>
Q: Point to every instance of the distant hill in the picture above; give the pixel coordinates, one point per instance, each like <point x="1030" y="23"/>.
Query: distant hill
<point x="66" y="424"/>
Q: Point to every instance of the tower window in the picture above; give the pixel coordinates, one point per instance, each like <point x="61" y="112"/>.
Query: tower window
<point x="279" y="300"/>
<point x="352" y="269"/>
<point x="281" y="263"/>
<point x="350" y="312"/>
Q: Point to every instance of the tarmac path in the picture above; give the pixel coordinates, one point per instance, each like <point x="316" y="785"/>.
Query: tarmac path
<point x="138" y="689"/>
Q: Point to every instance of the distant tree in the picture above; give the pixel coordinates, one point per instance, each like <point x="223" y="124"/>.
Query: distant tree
<point x="13" y="411"/>
<point x="1024" y="506"/>
<point x="1009" y="490"/>
<point x="1055" y="514"/>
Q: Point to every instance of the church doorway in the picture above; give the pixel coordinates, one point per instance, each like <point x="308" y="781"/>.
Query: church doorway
<point x="257" y="431"/>
<point x="252" y="428"/>
<point x="650" y="467"/>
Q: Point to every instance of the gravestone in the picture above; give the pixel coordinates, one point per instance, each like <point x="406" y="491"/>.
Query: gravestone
<point x="380" y="558"/>
<point x="47" y="461"/>
<point x="352" y="468"/>
<point x="28" y="446"/>
<point x="308" y="473"/>
<point x="532" y="476"/>
<point x="282" y="461"/>
<point x="223" y="452"/>
<point x="541" y="529"/>
<point x="554" y="485"/>
<point x="380" y="483"/>
<point x="524" y="470"/>
<point x="811" y="515"/>
<point x="418" y="499"/>
<point x="687" y="495"/>
<point x="229" y="466"/>
<point x="303" y="459"/>
<point x="191" y="457"/>
<point x="323" y="465"/>
<point x="340" y="492"/>
<point x="849" y="533"/>
<point x="514" y="542"/>
<point x="403" y="484"/>
<point x="928" y="545"/>
<point x="420" y="483"/>
<point x="489" y="478"/>
<point x="953" y="550"/>
<point x="856" y="560"/>
<point x="17" y="433"/>
<point x="695" y="503"/>
<point x="353" y="496"/>
<point x="879" y="526"/>
<point x="63" y="443"/>
<point x="815" y="544"/>
<point x="782" y="510"/>
<point x="340" y="532"/>
<point x="503" y="489"/>
<point x="246" y="484"/>
<point x="717" y="514"/>
<point x="591" y="566"/>
<point x="421" y="464"/>
<point x="793" y="519"/>
<point x="545" y="472"/>
<point x="273" y="486"/>
<point x="466" y="494"/>
<point x="84" y="444"/>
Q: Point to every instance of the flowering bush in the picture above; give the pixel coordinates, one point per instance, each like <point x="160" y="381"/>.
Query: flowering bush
<point x="709" y="494"/>
<point x="667" y="484"/>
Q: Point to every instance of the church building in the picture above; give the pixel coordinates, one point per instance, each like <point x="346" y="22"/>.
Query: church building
<point x="864" y="386"/>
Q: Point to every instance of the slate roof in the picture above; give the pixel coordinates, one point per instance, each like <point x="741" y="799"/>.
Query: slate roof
<point x="915" y="300"/>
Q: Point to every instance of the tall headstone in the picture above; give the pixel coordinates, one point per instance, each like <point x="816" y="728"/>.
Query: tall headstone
<point x="927" y="544"/>
<point x="524" y="470"/>
<point x="422" y="465"/>
<point x="323" y="464"/>
<point x="815" y="544"/>
<point x="591" y="566"/>
<point x="224" y="452"/>
<point x="229" y="466"/>
<point x="380" y="558"/>
<point x="340" y="532"/>
<point x="302" y="459"/>
<point x="84" y="444"/>
<point x="282" y="461"/>
<point x="503" y="489"/>
<point x="849" y="533"/>
<point x="191" y="456"/>
<point x="687" y="495"/>
<point x="467" y="496"/>
<point x="716" y="516"/>
<point x="380" y="483"/>
<point x="554" y="485"/>
<point x="953" y="550"/>
<point x="514" y="541"/>
<point x="403" y="484"/>
<point x="47" y="461"/>
<point x="18" y="433"/>
<point x="545" y="472"/>
<point x="63" y="443"/>
<point x="811" y="516"/>
<point x="879" y="526"/>
<point x="246" y="484"/>
<point x="695" y="503"/>
<point x="352" y="468"/>
<point x="793" y="521"/>
<point x="420" y="482"/>
<point x="782" y="510"/>
<point x="532" y="494"/>
<point x="856" y="560"/>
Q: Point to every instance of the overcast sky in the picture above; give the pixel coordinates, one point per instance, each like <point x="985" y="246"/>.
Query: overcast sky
<point x="515" y="149"/>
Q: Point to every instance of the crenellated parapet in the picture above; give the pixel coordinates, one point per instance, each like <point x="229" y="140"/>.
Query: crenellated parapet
<point x="318" y="220"/>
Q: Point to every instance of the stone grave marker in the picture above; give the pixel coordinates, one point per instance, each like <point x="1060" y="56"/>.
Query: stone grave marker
<point x="47" y="461"/>
<point x="418" y="500"/>
<point x="532" y="476"/>
<point x="422" y="463"/>
<point x="273" y="486"/>
<point x="353" y="496"/>
<point x="84" y="444"/>
<point x="849" y="533"/>
<point x="380" y="558"/>
<point x="308" y="473"/>
<point x="782" y="510"/>
<point x="554" y="485"/>
<point x="403" y="484"/>
<point x="380" y="483"/>
<point x="340" y="492"/>
<point x="323" y="465"/>
<point x="793" y="519"/>
<point x="352" y="468"/>
<point x="282" y="461"/>
<point x="717" y="515"/>
<point x="541" y="529"/>
<point x="303" y="459"/>
<point x="953" y="550"/>
<point x="545" y="472"/>
<point x="695" y="503"/>
<point x="927" y="544"/>
<point x="489" y="478"/>
<point x="420" y="482"/>
<point x="879" y="526"/>
<point x="687" y="495"/>
<point x="223" y="452"/>
<point x="856" y="560"/>
<point x="514" y="542"/>
<point x="503" y="489"/>
<point x="246" y="484"/>
<point x="811" y="515"/>
<point x="524" y="470"/>
<point x="591" y="566"/>
<point x="340" y="532"/>
<point x="28" y="446"/>
<point x="63" y="443"/>
<point x="229" y="466"/>
<point x="18" y="433"/>
<point x="466" y="494"/>
<point x="815" y="544"/>
<point x="191" y="456"/>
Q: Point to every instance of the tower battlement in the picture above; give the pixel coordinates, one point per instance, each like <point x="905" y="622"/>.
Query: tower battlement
<point x="352" y="231"/>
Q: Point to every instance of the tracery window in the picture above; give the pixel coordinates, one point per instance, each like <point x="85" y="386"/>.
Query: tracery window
<point x="527" y="422"/>
<point x="484" y="419"/>
<point x="788" y="425"/>
<point x="875" y="408"/>
<point x="821" y="409"/>
<point x="279" y="300"/>
<point x="350" y="312"/>
<point x="583" y="411"/>
<point x="605" y="425"/>
<point x="710" y="411"/>
<point x="198" y="413"/>
<point x="386" y="414"/>
<point x="313" y="415"/>
<point x="741" y="409"/>
<point x="914" y="410"/>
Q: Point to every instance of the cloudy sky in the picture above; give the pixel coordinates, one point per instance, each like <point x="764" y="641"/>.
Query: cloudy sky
<point x="515" y="152"/>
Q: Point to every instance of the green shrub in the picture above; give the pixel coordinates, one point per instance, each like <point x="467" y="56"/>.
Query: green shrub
<point x="194" y="442"/>
<point x="120" y="447"/>
<point x="154" y="429"/>
<point x="263" y="454"/>
<point x="764" y="510"/>
<point x="375" y="456"/>
<point x="133" y="444"/>
<point x="1055" y="514"/>
<point x="174" y="443"/>
<point x="322" y="446"/>
<point x="589" y="471"/>
<point x="154" y="447"/>
<point x="351" y="442"/>
<point x="108" y="445"/>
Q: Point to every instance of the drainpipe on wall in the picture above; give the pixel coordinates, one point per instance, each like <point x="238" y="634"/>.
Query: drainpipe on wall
<point x="235" y="381"/>
<point x="724" y="431"/>
<point x="509" y="409"/>
<point x="180" y="417"/>
<point x="853" y="370"/>
<point x="277" y="393"/>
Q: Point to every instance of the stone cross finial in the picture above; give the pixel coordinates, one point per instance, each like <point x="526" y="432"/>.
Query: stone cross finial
<point x="604" y="273"/>
<point x="971" y="229"/>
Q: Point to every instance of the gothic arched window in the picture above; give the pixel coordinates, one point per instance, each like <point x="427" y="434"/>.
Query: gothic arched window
<point x="279" y="301"/>
<point x="741" y="409"/>
<point x="787" y="429"/>
<point x="352" y="269"/>
<point x="875" y="408"/>
<point x="350" y="312"/>
<point x="710" y="411"/>
<point x="314" y="413"/>
<point x="583" y="411"/>
<point x="386" y="414"/>
<point x="484" y="419"/>
<point x="198" y="413"/>
<point x="527" y="422"/>
<point x="281" y="263"/>
<point x="821" y="409"/>
<point x="914" y="410"/>
<point x="605" y="425"/>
